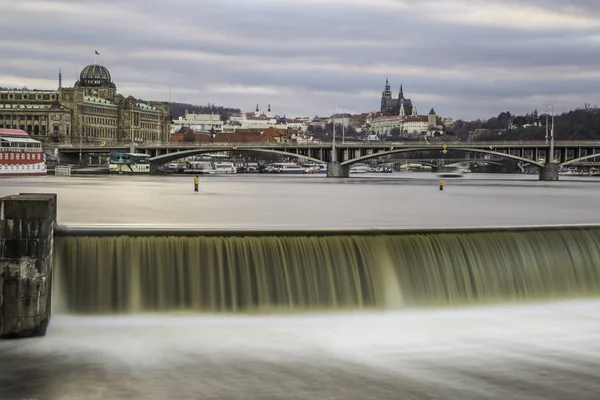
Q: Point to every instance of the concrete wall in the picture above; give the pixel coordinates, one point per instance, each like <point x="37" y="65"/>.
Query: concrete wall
<point x="26" y="237"/>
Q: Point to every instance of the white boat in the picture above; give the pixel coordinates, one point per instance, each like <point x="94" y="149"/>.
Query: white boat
<point x="359" y="169"/>
<point x="450" y="171"/>
<point x="20" y="155"/>
<point x="285" y="168"/>
<point x="210" y="167"/>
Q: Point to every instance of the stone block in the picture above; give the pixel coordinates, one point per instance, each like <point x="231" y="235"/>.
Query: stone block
<point x="29" y="206"/>
<point x="16" y="248"/>
<point x="26" y="228"/>
<point x="36" y="266"/>
<point x="26" y="307"/>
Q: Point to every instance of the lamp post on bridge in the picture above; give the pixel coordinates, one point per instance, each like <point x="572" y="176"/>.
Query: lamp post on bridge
<point x="549" y="171"/>
<point x="550" y="159"/>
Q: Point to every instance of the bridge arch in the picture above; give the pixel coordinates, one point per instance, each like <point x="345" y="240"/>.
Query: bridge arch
<point x="406" y="150"/>
<point x="576" y="160"/>
<point x="165" y="158"/>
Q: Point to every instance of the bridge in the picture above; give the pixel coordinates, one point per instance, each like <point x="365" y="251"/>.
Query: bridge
<point x="339" y="157"/>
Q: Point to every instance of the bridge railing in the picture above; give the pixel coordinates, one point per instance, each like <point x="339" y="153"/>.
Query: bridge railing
<point x="379" y="145"/>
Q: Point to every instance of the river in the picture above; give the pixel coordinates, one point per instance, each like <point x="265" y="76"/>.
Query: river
<point x="424" y="334"/>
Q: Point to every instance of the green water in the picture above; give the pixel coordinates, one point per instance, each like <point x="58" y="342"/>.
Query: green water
<point x="262" y="274"/>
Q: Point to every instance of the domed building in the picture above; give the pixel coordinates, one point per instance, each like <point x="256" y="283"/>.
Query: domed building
<point x="91" y="112"/>
<point x="101" y="115"/>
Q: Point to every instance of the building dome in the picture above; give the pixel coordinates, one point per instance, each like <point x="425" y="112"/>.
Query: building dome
<point x="95" y="75"/>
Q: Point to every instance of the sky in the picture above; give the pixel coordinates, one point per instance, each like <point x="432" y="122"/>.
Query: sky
<point x="467" y="59"/>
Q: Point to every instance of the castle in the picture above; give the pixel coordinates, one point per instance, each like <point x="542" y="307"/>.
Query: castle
<point x="394" y="107"/>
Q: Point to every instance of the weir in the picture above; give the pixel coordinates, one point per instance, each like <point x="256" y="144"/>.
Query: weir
<point x="164" y="270"/>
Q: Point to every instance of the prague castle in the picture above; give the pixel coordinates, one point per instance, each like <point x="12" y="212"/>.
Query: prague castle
<point x="90" y="112"/>
<point x="394" y="107"/>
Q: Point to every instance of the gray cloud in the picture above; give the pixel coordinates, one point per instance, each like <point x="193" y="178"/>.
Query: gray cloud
<point x="465" y="58"/>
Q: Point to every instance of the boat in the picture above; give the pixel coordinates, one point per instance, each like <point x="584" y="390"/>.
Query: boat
<point x="206" y="167"/>
<point x="450" y="171"/>
<point x="129" y="163"/>
<point x="359" y="169"/>
<point x="285" y="168"/>
<point x="20" y="155"/>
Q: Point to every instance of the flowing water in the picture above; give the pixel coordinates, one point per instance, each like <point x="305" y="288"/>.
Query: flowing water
<point x="299" y="273"/>
<point x="309" y="315"/>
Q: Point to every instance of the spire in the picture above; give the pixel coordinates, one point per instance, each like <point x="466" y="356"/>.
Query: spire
<point x="59" y="78"/>
<point x="257" y="110"/>
<point x="401" y="92"/>
<point x="269" y="110"/>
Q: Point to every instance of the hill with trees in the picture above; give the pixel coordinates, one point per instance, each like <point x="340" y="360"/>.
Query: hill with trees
<point x="579" y="124"/>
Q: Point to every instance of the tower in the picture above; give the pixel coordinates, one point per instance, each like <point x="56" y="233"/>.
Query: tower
<point x="257" y="112"/>
<point x="269" y="111"/>
<point x="401" y="93"/>
<point x="59" y="78"/>
<point x="386" y="95"/>
<point x="432" y="119"/>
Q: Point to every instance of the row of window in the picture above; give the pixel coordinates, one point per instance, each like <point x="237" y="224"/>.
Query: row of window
<point x="22" y="157"/>
<point x="22" y="167"/>
<point x="100" y="121"/>
<point x="27" y="96"/>
<point x="109" y="111"/>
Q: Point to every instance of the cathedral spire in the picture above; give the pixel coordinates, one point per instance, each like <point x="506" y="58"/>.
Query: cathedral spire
<point x="387" y="85"/>
<point x="401" y="95"/>
<point x="257" y="110"/>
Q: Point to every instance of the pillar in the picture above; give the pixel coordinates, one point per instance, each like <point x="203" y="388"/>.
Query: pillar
<point x="26" y="237"/>
<point x="549" y="172"/>
<point x="335" y="169"/>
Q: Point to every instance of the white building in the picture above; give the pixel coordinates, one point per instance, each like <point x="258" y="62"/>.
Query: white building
<point x="408" y="124"/>
<point x="200" y="122"/>
<point x="262" y="120"/>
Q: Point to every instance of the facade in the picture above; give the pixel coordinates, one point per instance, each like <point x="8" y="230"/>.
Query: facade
<point x="90" y="112"/>
<point x="200" y="122"/>
<point x="408" y="124"/>
<point x="268" y="136"/>
<point x="394" y="107"/>
<point x="37" y="112"/>
<point x="261" y="120"/>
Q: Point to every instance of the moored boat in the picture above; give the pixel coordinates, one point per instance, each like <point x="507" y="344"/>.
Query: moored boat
<point x="20" y="155"/>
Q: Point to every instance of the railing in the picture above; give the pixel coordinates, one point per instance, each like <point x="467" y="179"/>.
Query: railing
<point x="434" y="145"/>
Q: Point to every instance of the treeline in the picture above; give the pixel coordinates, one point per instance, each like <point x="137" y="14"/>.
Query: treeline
<point x="578" y="124"/>
<point x="179" y="110"/>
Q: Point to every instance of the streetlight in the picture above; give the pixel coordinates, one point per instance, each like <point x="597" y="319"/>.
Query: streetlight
<point x="550" y="103"/>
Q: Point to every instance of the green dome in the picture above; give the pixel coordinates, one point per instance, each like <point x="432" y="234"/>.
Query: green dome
<point x="95" y="75"/>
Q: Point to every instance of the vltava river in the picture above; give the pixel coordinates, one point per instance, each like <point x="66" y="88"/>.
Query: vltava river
<point x="403" y="200"/>
<point x="548" y="350"/>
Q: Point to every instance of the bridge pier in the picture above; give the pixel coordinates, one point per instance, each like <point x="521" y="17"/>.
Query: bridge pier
<point x="549" y="172"/>
<point x="26" y="238"/>
<point x="335" y="169"/>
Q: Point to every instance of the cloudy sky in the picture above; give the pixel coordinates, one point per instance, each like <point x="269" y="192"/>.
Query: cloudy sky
<point x="466" y="58"/>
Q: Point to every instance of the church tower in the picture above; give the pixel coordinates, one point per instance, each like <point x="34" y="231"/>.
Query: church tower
<point x="257" y="112"/>
<point x="401" y="94"/>
<point x="269" y="111"/>
<point x="432" y="119"/>
<point x="386" y="95"/>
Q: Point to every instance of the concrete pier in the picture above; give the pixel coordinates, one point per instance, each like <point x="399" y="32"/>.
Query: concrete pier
<point x="26" y="236"/>
<point x="549" y="172"/>
<point x="335" y="169"/>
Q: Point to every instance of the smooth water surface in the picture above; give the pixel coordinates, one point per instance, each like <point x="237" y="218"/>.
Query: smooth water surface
<point x="244" y="201"/>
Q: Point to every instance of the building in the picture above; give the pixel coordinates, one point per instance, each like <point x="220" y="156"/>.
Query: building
<point x="262" y="121"/>
<point x="200" y="122"/>
<point x="90" y="112"/>
<point x="396" y="107"/>
<point x="38" y="112"/>
<point x="268" y="136"/>
<point x="408" y="125"/>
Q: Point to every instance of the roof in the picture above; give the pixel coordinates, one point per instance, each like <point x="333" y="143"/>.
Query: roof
<point x="18" y="140"/>
<point x="98" y="100"/>
<point x="432" y="112"/>
<point x="144" y="106"/>
<point x="13" y="133"/>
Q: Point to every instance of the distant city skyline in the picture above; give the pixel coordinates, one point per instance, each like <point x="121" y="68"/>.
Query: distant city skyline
<point x="467" y="59"/>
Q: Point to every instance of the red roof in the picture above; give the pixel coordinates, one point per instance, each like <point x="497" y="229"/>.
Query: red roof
<point x="13" y="133"/>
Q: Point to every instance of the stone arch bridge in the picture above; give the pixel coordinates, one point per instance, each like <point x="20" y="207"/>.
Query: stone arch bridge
<point x="341" y="156"/>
